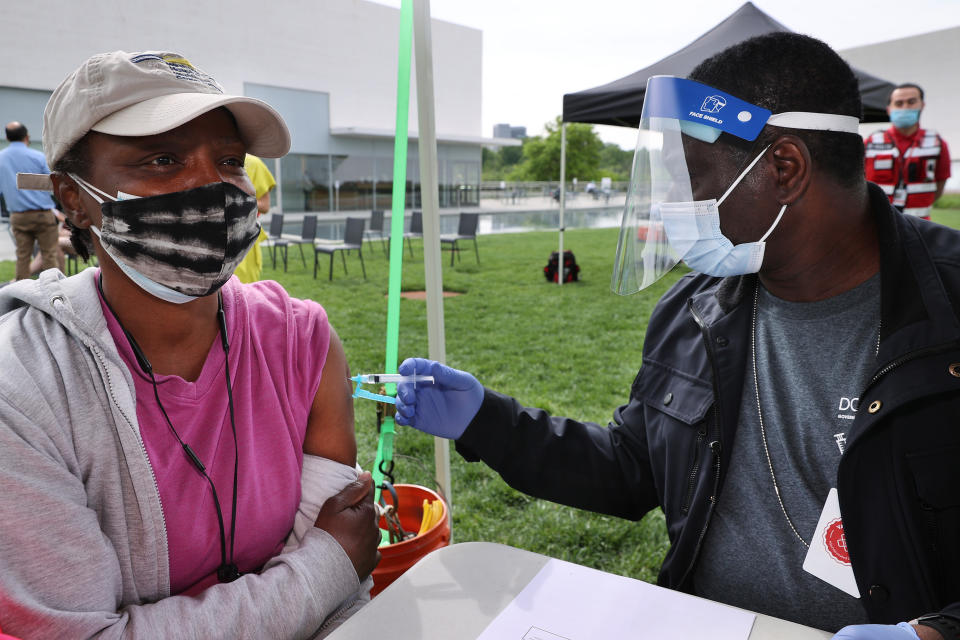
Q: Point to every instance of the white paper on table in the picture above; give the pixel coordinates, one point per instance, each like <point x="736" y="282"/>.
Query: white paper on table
<point x="566" y="601"/>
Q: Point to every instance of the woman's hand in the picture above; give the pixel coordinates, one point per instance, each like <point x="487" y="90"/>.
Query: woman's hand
<point x="351" y="519"/>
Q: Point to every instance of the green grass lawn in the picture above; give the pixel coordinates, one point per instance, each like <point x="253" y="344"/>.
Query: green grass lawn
<point x="948" y="217"/>
<point x="573" y="350"/>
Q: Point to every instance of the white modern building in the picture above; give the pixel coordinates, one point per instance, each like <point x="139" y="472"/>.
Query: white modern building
<point x="329" y="66"/>
<point x="929" y="60"/>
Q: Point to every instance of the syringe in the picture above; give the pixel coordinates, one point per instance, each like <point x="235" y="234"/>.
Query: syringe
<point x="389" y="378"/>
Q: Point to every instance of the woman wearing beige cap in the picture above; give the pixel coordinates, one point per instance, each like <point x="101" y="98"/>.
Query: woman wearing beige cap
<point x="155" y="413"/>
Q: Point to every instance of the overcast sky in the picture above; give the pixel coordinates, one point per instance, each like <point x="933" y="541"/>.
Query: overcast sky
<point x="534" y="51"/>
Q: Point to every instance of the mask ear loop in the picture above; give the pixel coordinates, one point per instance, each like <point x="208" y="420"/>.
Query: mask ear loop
<point x="89" y="188"/>
<point x="742" y="175"/>
<point x="774" y="225"/>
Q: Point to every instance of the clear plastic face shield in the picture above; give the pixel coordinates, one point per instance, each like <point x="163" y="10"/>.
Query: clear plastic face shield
<point x="662" y="222"/>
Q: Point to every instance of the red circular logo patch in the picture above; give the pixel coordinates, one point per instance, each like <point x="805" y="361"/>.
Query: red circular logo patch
<point x="836" y="542"/>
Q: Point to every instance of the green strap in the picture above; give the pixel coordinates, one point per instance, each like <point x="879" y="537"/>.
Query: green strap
<point x="385" y="446"/>
<point x="384" y="454"/>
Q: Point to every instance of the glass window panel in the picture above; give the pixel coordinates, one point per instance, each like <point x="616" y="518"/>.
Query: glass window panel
<point x="354" y="174"/>
<point x="305" y="180"/>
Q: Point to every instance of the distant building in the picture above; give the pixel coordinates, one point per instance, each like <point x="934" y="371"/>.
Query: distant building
<point x="504" y="130"/>
<point x="328" y="67"/>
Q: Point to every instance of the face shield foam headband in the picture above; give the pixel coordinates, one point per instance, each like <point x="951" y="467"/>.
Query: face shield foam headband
<point x="662" y="223"/>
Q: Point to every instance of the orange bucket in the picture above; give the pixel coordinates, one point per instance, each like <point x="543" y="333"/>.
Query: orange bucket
<point x="400" y="556"/>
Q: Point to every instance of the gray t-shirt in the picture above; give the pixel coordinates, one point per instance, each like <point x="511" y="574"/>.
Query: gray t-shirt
<point x="813" y="360"/>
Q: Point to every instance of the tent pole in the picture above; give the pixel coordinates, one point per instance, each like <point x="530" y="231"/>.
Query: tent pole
<point x="430" y="201"/>
<point x="563" y="195"/>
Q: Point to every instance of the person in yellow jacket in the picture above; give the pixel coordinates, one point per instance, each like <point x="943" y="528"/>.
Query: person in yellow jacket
<point x="250" y="269"/>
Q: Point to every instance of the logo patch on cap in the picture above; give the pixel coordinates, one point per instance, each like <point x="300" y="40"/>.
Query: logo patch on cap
<point x="180" y="67"/>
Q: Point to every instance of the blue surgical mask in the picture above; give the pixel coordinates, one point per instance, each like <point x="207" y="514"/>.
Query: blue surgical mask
<point x="152" y="287"/>
<point x="693" y="230"/>
<point x="904" y="118"/>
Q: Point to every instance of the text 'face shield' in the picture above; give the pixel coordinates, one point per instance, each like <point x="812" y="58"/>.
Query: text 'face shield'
<point x="672" y="108"/>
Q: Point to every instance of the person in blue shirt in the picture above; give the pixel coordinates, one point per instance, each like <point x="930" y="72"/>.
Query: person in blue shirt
<point x="32" y="217"/>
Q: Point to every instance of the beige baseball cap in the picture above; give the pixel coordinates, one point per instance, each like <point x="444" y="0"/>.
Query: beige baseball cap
<point x="142" y="94"/>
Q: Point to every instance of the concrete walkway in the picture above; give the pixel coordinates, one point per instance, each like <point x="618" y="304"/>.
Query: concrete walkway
<point x="7" y="250"/>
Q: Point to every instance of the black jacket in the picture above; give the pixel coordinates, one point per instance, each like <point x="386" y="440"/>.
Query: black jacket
<point x="669" y="446"/>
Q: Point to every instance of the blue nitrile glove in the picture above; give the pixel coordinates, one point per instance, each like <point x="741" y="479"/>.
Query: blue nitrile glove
<point x="902" y="631"/>
<point x="443" y="408"/>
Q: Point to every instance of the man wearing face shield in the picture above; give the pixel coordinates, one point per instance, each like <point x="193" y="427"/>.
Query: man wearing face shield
<point x="163" y="428"/>
<point x="794" y="416"/>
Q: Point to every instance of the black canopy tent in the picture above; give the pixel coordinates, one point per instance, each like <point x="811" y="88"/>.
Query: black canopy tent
<point x="621" y="101"/>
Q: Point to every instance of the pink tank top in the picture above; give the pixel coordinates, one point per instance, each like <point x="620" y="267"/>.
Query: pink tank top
<point x="278" y="346"/>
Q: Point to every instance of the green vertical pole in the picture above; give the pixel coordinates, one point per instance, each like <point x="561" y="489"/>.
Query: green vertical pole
<point x="387" y="429"/>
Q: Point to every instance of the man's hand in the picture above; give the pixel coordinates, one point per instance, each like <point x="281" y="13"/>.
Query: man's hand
<point x="902" y="631"/>
<point x="443" y="408"/>
<point x="351" y="519"/>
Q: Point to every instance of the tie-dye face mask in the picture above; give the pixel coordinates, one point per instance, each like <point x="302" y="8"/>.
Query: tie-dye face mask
<point x="178" y="246"/>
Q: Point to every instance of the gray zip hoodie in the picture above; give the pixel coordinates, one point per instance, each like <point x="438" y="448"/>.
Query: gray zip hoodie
<point x="83" y="544"/>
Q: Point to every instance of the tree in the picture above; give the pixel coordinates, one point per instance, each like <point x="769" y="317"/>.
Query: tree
<point x="511" y="156"/>
<point x="615" y="162"/>
<point x="498" y="164"/>
<point x="541" y="155"/>
<point x="491" y="166"/>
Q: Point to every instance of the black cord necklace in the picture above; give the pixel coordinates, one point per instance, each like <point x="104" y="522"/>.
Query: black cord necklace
<point x="227" y="571"/>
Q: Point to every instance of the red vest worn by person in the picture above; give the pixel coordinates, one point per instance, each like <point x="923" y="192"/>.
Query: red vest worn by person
<point x="917" y="163"/>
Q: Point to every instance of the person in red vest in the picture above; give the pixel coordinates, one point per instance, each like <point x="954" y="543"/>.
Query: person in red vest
<point x="911" y="164"/>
